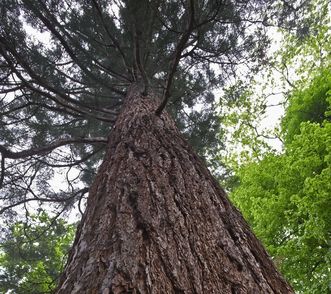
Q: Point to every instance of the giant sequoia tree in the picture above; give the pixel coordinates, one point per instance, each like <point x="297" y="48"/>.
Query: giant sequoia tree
<point x="82" y="80"/>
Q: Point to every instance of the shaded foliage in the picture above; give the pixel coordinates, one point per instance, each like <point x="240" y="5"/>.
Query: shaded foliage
<point x="308" y="104"/>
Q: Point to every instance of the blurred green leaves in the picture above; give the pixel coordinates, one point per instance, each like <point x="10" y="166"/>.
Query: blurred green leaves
<point x="32" y="256"/>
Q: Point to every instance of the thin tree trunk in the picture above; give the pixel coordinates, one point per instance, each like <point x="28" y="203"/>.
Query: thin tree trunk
<point x="157" y="222"/>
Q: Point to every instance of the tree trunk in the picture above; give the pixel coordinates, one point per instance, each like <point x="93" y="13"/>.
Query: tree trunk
<point x="157" y="222"/>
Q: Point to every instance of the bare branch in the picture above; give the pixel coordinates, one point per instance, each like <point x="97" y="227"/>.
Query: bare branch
<point x="71" y="164"/>
<point x="178" y="52"/>
<point x="2" y="175"/>
<point x="137" y="55"/>
<point x="45" y="149"/>
<point x="9" y="90"/>
<point x="16" y="108"/>
<point x="23" y="201"/>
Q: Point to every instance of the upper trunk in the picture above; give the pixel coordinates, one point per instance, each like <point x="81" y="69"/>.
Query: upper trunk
<point x="157" y="222"/>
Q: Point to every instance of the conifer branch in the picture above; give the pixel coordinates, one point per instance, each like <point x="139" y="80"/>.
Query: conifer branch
<point x="48" y="148"/>
<point x="2" y="171"/>
<point x="112" y="38"/>
<point x="59" y="97"/>
<point x="177" y="56"/>
<point x="71" y="164"/>
<point x="44" y="199"/>
<point x="52" y="27"/>
<point x="139" y="65"/>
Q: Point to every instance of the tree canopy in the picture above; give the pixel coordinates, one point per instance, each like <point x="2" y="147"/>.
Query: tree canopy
<point x="66" y="66"/>
<point x="311" y="104"/>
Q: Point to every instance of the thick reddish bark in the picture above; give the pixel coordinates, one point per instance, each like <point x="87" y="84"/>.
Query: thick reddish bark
<point x="157" y="221"/>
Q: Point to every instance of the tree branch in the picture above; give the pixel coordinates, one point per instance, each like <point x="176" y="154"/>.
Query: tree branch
<point x="65" y="45"/>
<point x="81" y="191"/>
<point x="2" y="175"/>
<point x="137" y="55"/>
<point x="178" y="52"/>
<point x="60" y="98"/>
<point x="45" y="149"/>
<point x="112" y="38"/>
<point x="71" y="164"/>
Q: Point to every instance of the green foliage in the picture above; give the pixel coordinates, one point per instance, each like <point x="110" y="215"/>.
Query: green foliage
<point x="32" y="256"/>
<point x="308" y="104"/>
<point x="287" y="200"/>
<point x="286" y="196"/>
<point x="309" y="48"/>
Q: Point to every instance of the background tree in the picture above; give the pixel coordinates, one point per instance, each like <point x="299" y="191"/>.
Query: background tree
<point x="32" y="256"/>
<point x="286" y="198"/>
<point x="250" y="103"/>
<point x="289" y="189"/>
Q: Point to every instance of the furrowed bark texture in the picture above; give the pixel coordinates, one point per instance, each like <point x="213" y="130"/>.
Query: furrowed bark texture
<point x="157" y="222"/>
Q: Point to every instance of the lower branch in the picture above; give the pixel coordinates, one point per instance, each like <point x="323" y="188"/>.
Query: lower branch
<point x="42" y="199"/>
<point x="41" y="150"/>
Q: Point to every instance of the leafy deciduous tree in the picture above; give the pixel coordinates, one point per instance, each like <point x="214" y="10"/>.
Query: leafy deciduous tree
<point x="286" y="195"/>
<point x="286" y="199"/>
<point x="32" y="256"/>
